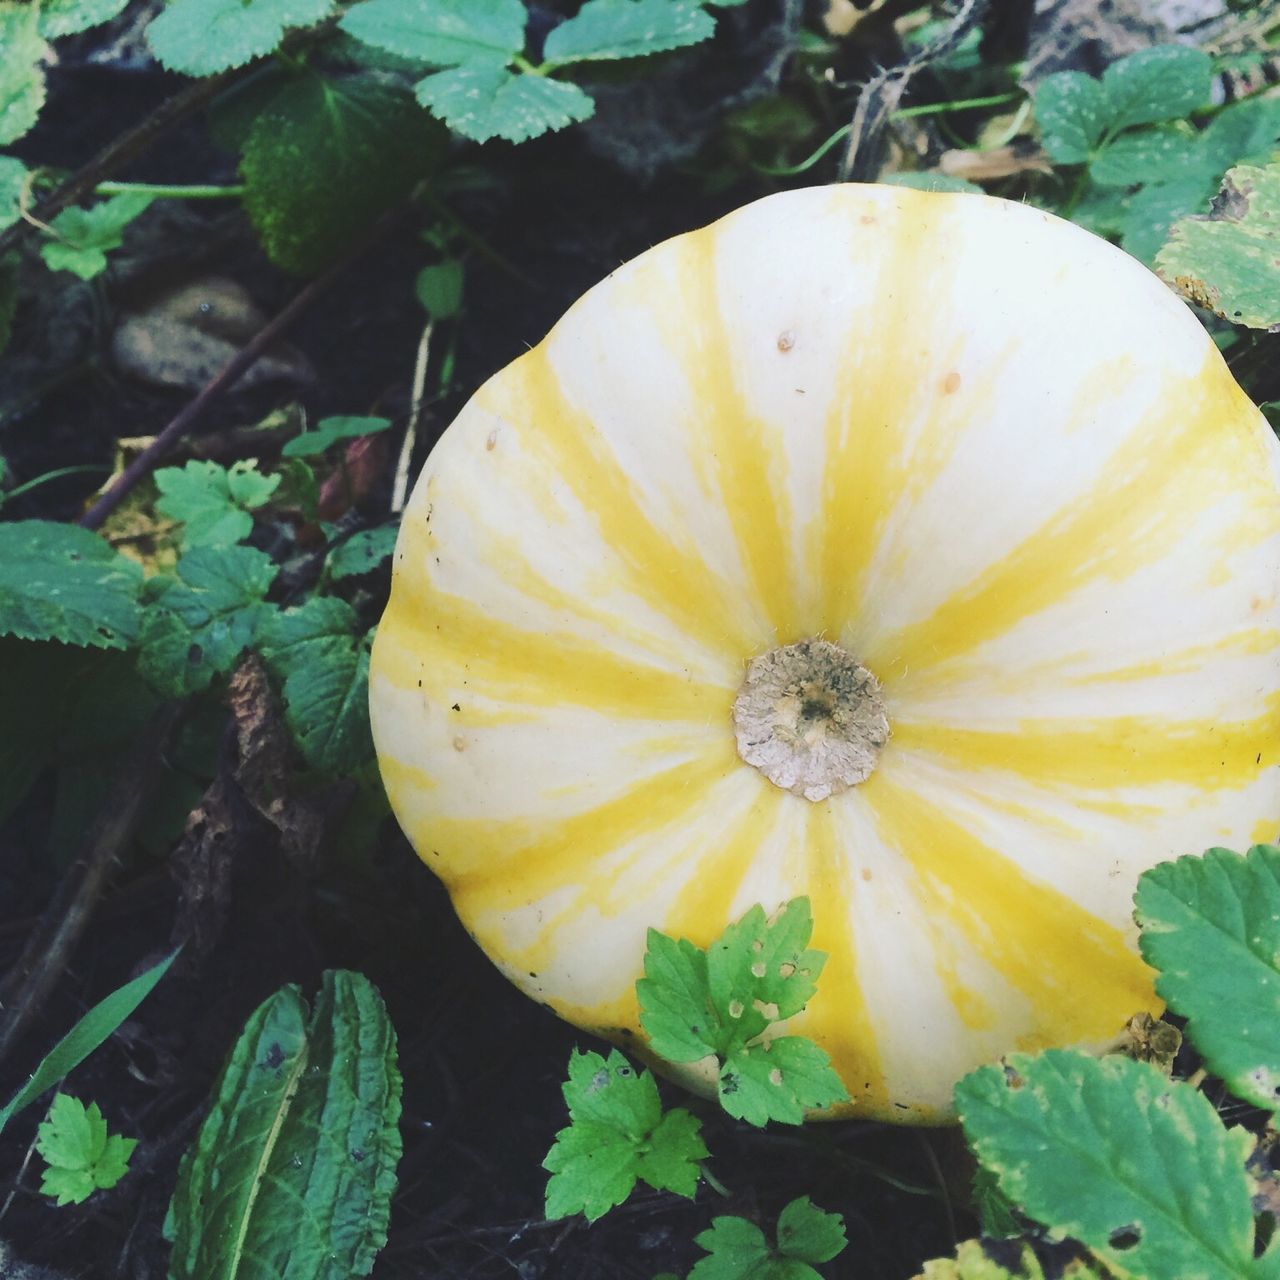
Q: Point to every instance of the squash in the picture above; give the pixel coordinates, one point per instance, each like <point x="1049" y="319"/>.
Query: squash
<point x="914" y="552"/>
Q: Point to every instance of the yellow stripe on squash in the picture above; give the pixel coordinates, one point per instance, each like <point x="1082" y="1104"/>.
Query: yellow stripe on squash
<point x="986" y="454"/>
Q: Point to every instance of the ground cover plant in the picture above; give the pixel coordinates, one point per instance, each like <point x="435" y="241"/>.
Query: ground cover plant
<point x="244" y="284"/>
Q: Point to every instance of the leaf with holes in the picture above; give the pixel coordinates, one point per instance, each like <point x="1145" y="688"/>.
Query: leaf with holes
<point x="203" y="37"/>
<point x="1228" y="261"/>
<point x="292" y="1172"/>
<point x="1211" y="926"/>
<point x="60" y="582"/>
<point x="483" y="101"/>
<point x="611" y="29"/>
<point x="1115" y="1154"/>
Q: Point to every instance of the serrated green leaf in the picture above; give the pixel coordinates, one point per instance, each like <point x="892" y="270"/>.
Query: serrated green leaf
<point x="323" y="160"/>
<point x="60" y="582"/>
<point x="328" y="432"/>
<point x="69" y="17"/>
<point x="1245" y="132"/>
<point x="1229" y="260"/>
<point x="675" y="1001"/>
<point x="441" y="32"/>
<point x="327" y="710"/>
<point x="213" y="502"/>
<point x="85" y="236"/>
<point x="22" y="88"/>
<point x="739" y="1250"/>
<point x="612" y="29"/>
<point x="1115" y="1154"/>
<point x="82" y="1158"/>
<point x="13" y="180"/>
<point x="778" y="1080"/>
<point x="809" y="1233"/>
<point x="618" y="1134"/>
<point x="1073" y="113"/>
<point x="203" y="37"/>
<point x="362" y="552"/>
<point x="996" y="1214"/>
<point x="87" y="1034"/>
<point x="307" y="634"/>
<point x="735" y="1248"/>
<point x="1149" y="155"/>
<point x="67" y="1186"/>
<point x="1152" y="210"/>
<point x="482" y="102"/>
<point x="1211" y="926"/>
<point x="292" y="1172"/>
<point x="439" y="288"/>
<point x="1162" y="83"/>
<point x="197" y="624"/>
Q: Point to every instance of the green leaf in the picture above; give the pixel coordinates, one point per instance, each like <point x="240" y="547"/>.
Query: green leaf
<point x="739" y="1250"/>
<point x="82" y="1158"/>
<point x="1148" y="155"/>
<point x="1113" y="1153"/>
<point x="88" y="1033"/>
<point x="327" y="710"/>
<point x="996" y="1214"/>
<point x="203" y="37"/>
<point x="328" y="432"/>
<point x="13" y="179"/>
<point x="60" y="582"/>
<point x="1245" y="132"/>
<point x="611" y="29"/>
<point x="974" y="1262"/>
<point x="84" y="236"/>
<point x="292" y="1172"/>
<point x="1211" y="926"/>
<point x="1229" y="260"/>
<point x="197" y="625"/>
<point x="618" y="1134"/>
<point x="323" y="160"/>
<point x="1163" y="83"/>
<point x="1152" y="210"/>
<point x="21" y="76"/>
<point x="363" y="551"/>
<point x="487" y="101"/>
<point x="675" y="1000"/>
<point x="69" y="17"/>
<point x="307" y="635"/>
<point x="1073" y="113"/>
<point x="439" y="289"/>
<point x="778" y="1080"/>
<point x="213" y="502"/>
<point x="441" y="32"/>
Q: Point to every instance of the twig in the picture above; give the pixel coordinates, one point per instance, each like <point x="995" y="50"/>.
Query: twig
<point x="44" y="958"/>
<point x="400" y="488"/>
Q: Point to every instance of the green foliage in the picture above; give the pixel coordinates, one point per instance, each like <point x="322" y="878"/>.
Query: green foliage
<point x="1228" y="261"/>
<point x="439" y="288"/>
<point x="59" y="582"/>
<point x="22" y="87"/>
<point x="721" y="1001"/>
<point x="83" y="1038"/>
<point x="79" y="1155"/>
<point x="84" y="236"/>
<point x="70" y="17"/>
<point x="203" y="37"/>
<point x="13" y="178"/>
<point x="739" y="1250"/>
<point x="483" y="101"/>
<point x="197" y="624"/>
<point x="362" y="552"/>
<point x="323" y="159"/>
<point x="292" y="1172"/>
<point x="974" y="1262"/>
<point x="1113" y="1153"/>
<point x="213" y="502"/>
<point x="612" y="29"/>
<point x="1211" y="926"/>
<point x="618" y="1134"/>
<point x="329" y="431"/>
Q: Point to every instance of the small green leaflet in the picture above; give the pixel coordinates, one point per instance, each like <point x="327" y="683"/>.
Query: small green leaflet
<point x="292" y="1172"/>
<point x="1211" y="926"/>
<point x="203" y="37"/>
<point x="21" y="76"/>
<point x="313" y="648"/>
<point x="1113" y="1153"/>
<point x="362" y="552"/>
<point x="13" y="178"/>
<point x="84" y="236"/>
<point x="197" y="625"/>
<point x="695" y="1004"/>
<point x="483" y="101"/>
<point x="80" y="1155"/>
<point x="439" y="288"/>
<point x="69" y="17"/>
<point x="328" y="431"/>
<point x="1228" y="261"/>
<point x="1072" y="111"/>
<point x="739" y="1250"/>
<point x="444" y="33"/>
<point x="323" y="159"/>
<point x="613" y="29"/>
<point x="618" y="1134"/>
<point x="60" y="582"/>
<point x="213" y="502"/>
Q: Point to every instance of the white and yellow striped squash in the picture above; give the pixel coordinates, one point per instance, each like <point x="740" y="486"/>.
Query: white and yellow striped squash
<point x="982" y="451"/>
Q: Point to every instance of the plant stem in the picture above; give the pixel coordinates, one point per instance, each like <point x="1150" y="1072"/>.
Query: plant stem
<point x="958" y="104"/>
<point x="37" y="481"/>
<point x="164" y="191"/>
